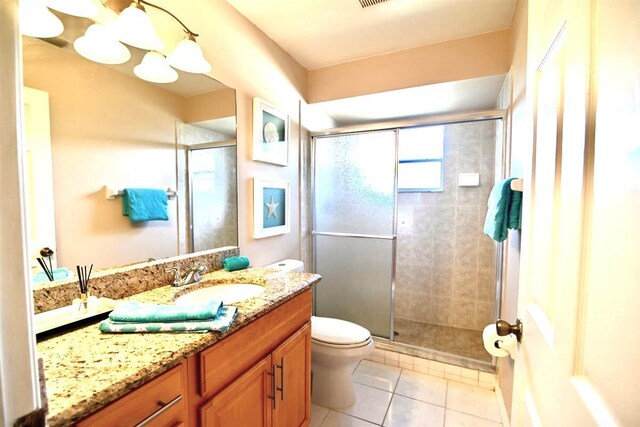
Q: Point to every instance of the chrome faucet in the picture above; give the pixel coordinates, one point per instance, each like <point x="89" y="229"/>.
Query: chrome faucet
<point x="191" y="276"/>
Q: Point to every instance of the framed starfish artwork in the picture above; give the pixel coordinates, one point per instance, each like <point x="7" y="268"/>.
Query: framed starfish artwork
<point x="270" y="133"/>
<point x="271" y="205"/>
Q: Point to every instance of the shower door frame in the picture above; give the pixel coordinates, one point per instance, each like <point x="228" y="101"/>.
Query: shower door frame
<point x="396" y="125"/>
<point x="189" y="183"/>
<point x="394" y="231"/>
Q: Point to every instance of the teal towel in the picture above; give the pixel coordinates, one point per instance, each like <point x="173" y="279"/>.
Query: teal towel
<point x="58" y="273"/>
<point x="136" y="312"/>
<point x="515" y="210"/>
<point x="235" y="263"/>
<point x="504" y="207"/>
<point x="221" y="323"/>
<point x="145" y="204"/>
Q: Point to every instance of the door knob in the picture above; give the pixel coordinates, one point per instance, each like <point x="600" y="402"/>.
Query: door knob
<point x="505" y="328"/>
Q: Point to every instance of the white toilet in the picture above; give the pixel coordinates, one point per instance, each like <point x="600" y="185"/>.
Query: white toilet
<point x="336" y="347"/>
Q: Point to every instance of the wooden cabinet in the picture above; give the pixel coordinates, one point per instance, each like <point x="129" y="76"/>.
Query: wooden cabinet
<point x="259" y="375"/>
<point x="243" y="403"/>
<point x="293" y="380"/>
<point x="160" y="402"/>
<point x="274" y="392"/>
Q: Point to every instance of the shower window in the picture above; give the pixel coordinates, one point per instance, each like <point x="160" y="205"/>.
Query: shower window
<point x="420" y="154"/>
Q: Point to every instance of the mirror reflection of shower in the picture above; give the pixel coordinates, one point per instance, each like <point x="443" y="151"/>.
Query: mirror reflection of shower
<point x="207" y="183"/>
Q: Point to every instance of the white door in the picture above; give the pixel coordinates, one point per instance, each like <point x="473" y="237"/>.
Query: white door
<point x="579" y="296"/>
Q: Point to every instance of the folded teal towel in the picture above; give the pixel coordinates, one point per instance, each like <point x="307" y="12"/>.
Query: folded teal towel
<point x="504" y="210"/>
<point x="235" y="263"/>
<point x="221" y="323"/>
<point x="145" y="204"/>
<point x="136" y="312"/>
<point x="58" y="273"/>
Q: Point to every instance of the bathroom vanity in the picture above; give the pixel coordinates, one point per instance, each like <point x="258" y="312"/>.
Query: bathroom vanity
<point x="257" y="373"/>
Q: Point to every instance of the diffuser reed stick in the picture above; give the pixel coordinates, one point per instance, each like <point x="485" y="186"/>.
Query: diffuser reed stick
<point x="46" y="270"/>
<point x="83" y="281"/>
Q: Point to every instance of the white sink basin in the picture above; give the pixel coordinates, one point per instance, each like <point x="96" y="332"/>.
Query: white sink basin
<point x="228" y="294"/>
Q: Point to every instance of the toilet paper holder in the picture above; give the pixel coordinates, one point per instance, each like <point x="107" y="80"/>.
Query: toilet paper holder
<point x="505" y="328"/>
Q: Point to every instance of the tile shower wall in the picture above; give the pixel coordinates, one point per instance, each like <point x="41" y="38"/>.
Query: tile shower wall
<point x="446" y="265"/>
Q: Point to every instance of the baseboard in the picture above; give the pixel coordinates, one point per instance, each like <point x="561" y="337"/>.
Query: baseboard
<point x="502" y="408"/>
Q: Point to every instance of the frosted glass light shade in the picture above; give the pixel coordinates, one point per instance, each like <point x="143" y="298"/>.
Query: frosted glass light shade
<point x="38" y="21"/>
<point x="155" y="69"/>
<point x="188" y="57"/>
<point x="134" y="27"/>
<point x="82" y="8"/>
<point x="99" y="44"/>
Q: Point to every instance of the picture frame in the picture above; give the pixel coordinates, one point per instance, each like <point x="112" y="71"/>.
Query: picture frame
<point x="271" y="207"/>
<point x="270" y="133"/>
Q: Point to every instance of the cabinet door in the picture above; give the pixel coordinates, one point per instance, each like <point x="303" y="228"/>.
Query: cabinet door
<point x="292" y="369"/>
<point x="244" y="402"/>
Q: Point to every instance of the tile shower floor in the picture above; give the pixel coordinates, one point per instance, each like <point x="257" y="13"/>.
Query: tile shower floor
<point x="462" y="342"/>
<point x="391" y="396"/>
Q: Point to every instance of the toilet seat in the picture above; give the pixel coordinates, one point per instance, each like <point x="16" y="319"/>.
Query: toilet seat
<point x="338" y="333"/>
<point x="341" y="346"/>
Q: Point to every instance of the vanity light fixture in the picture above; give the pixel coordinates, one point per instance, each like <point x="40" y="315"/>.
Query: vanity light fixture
<point x="38" y="21"/>
<point x="100" y="45"/>
<point x="81" y="8"/>
<point x="154" y="68"/>
<point x="188" y="56"/>
<point x="134" y="27"/>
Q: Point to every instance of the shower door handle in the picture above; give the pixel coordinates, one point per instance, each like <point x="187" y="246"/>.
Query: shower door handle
<point x="356" y="235"/>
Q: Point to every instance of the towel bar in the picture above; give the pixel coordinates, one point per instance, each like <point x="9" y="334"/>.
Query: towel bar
<point x="112" y="193"/>
<point x="517" y="184"/>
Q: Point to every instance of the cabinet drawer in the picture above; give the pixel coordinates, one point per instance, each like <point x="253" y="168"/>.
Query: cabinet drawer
<point x="233" y="355"/>
<point x="160" y="402"/>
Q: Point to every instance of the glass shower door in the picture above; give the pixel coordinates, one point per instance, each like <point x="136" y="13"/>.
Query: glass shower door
<point x="354" y="228"/>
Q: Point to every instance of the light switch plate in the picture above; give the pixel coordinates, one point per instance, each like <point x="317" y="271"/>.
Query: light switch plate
<point x="468" y="180"/>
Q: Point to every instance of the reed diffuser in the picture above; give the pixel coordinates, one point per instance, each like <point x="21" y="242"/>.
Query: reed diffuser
<point x="83" y="280"/>
<point x="46" y="252"/>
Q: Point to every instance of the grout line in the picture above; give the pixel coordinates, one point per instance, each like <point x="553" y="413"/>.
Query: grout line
<point x="473" y="415"/>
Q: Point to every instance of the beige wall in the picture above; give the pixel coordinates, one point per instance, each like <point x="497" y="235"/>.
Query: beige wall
<point x="476" y="56"/>
<point x="519" y="140"/>
<point x="246" y="59"/>
<point x="106" y="128"/>
<point x="209" y="106"/>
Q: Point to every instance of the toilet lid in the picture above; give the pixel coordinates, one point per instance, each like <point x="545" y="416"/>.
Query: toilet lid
<point x="336" y="331"/>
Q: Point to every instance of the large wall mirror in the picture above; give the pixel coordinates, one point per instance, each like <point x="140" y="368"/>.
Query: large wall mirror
<point x="90" y="125"/>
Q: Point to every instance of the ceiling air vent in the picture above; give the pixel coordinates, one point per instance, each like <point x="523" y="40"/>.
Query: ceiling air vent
<point x="367" y="3"/>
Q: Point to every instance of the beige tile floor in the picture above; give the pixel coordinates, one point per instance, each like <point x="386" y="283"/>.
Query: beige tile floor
<point x="462" y="342"/>
<point x="391" y="396"/>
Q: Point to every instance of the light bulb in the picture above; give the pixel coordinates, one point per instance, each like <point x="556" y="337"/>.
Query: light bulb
<point x="134" y="27"/>
<point x="188" y="57"/>
<point x="38" y="21"/>
<point x="81" y="8"/>
<point x="155" y="69"/>
<point x="100" y="45"/>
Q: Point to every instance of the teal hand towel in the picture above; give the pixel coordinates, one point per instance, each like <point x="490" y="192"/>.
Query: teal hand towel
<point x="136" y="312"/>
<point x="145" y="204"/>
<point x="221" y="323"/>
<point x="515" y="210"/>
<point x="58" y="274"/>
<point x="235" y="263"/>
<point x="497" y="220"/>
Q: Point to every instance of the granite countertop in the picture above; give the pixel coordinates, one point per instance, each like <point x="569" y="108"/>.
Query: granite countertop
<point x="86" y="369"/>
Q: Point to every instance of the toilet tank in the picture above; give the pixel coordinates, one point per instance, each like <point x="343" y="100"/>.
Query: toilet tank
<point x="287" y="265"/>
